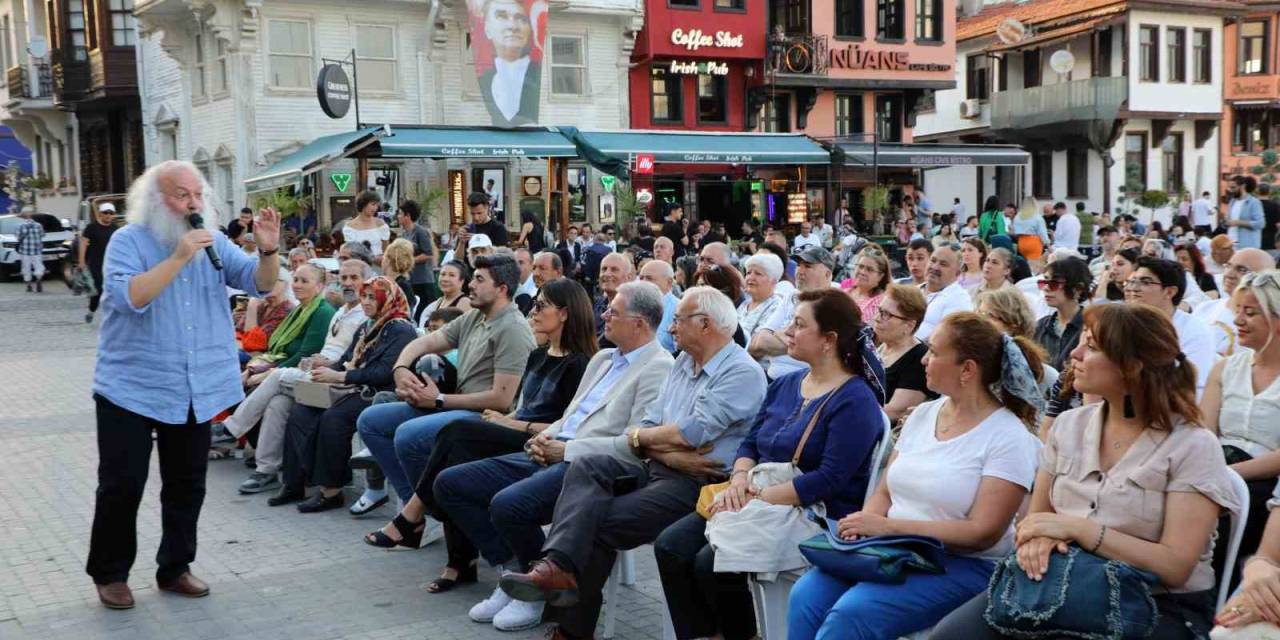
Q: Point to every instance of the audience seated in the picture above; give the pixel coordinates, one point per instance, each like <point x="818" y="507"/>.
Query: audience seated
<point x="1219" y="314"/>
<point x="1110" y="285"/>
<point x="871" y="275"/>
<point x="397" y="264"/>
<point x="303" y="331"/>
<point x="814" y="269"/>
<point x="997" y="271"/>
<point x="1254" y="602"/>
<point x="900" y="351"/>
<point x="1134" y="478"/>
<point x="614" y="271"/>
<point x="942" y="290"/>
<point x="917" y="259"/>
<point x="259" y="317"/>
<point x="455" y="288"/>
<point x="660" y="274"/>
<point x="1065" y="285"/>
<point x="1160" y="283"/>
<point x="839" y="394"/>
<point x="764" y="271"/>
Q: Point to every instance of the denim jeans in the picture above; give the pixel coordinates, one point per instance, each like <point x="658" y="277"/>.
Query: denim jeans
<point x="400" y="437"/>
<point x="827" y="608"/>
<point x="501" y="504"/>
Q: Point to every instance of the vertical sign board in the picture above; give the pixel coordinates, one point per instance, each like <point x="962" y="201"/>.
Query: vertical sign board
<point x="457" y="195"/>
<point x="507" y="39"/>
<point x="797" y="207"/>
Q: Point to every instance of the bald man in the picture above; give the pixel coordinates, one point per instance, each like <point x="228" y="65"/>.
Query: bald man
<point x="615" y="270"/>
<point x="1218" y="314"/>
<point x="663" y="276"/>
<point x="1220" y="252"/>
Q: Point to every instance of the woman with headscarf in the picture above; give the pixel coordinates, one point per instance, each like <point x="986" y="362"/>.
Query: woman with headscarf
<point x="1030" y="231"/>
<point x="318" y="441"/>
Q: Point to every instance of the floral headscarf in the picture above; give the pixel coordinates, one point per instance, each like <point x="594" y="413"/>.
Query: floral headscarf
<point x="392" y="306"/>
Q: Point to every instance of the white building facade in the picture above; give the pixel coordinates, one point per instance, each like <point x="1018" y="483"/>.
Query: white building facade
<point x="230" y="84"/>
<point x="1138" y="109"/>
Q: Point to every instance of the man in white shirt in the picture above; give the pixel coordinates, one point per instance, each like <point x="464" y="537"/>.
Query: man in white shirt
<point x="1202" y="214"/>
<point x="528" y="289"/>
<point x="1218" y="314"/>
<point x="1109" y="242"/>
<point x="959" y="215"/>
<point x="942" y="290"/>
<point x="1161" y="283"/>
<point x="824" y="231"/>
<point x="806" y="238"/>
<point x="1221" y="249"/>
<point x="814" y="269"/>
<point x="1067" y="234"/>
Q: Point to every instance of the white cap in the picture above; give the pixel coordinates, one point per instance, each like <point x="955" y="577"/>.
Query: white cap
<point x="479" y="241"/>
<point x="107" y="206"/>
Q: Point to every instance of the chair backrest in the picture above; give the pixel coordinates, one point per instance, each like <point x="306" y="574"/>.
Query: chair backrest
<point x="882" y="454"/>
<point x="1238" y="522"/>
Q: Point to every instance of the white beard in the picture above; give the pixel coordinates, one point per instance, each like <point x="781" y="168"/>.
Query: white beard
<point x="167" y="227"/>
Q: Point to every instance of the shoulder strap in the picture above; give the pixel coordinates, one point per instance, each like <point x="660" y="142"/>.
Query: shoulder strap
<point x="813" y="421"/>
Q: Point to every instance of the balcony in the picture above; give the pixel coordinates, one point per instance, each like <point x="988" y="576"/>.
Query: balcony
<point x="1080" y="112"/>
<point x="71" y="75"/>
<point x="21" y="86"/>
<point x="804" y="55"/>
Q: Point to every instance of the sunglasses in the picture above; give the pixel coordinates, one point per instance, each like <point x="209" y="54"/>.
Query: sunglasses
<point x="541" y="305"/>
<point x="1261" y="279"/>
<point x="1051" y="285"/>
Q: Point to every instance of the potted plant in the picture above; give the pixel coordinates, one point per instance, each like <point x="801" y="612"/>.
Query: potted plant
<point x="875" y="200"/>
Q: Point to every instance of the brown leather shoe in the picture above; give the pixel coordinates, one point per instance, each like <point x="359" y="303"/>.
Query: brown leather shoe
<point x="186" y="585"/>
<point x="116" y="595"/>
<point x="546" y="581"/>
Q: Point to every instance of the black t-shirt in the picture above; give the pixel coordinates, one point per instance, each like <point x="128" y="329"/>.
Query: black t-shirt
<point x="1206" y="282"/>
<point x="674" y="231"/>
<point x="235" y="229"/>
<point x="496" y="231"/>
<point x="536" y="239"/>
<point x="907" y="372"/>
<point x="549" y="384"/>
<point x="1271" y="210"/>
<point x="97" y="235"/>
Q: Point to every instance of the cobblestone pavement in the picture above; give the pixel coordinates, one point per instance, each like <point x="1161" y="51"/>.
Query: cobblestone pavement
<point x="274" y="573"/>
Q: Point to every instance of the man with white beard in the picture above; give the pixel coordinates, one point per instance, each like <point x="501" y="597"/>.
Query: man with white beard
<point x="167" y="363"/>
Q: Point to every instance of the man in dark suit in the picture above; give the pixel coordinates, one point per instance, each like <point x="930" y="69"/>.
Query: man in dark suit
<point x="511" y="87"/>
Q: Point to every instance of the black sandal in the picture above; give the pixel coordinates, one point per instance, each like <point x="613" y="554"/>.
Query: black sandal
<point x="410" y="534"/>
<point x="465" y="576"/>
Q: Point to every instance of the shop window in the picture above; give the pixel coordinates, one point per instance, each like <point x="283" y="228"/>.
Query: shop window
<point x="376" y="56"/>
<point x="665" y="95"/>
<point x="1031" y="69"/>
<point x="1102" y="45"/>
<point x="889" y="118"/>
<point x="1042" y="174"/>
<point x="977" y="79"/>
<point x="1135" y="160"/>
<point x="1077" y="173"/>
<point x="199" y="67"/>
<point x="777" y="114"/>
<point x="1149" y="53"/>
<point x="221" y="70"/>
<point x="290" y="57"/>
<point x="1202" y="55"/>
<point x="1177" y="52"/>
<point x="568" y="66"/>
<point x="1253" y="47"/>
<point x="1172" y="150"/>
<point x="733" y="5"/>
<point x="929" y="20"/>
<point x="1252" y="131"/>
<point x="123" y="31"/>
<point x="849" y="19"/>
<point x="890" y="16"/>
<point x="713" y="99"/>
<point x="686" y="4"/>
<point x="848" y="114"/>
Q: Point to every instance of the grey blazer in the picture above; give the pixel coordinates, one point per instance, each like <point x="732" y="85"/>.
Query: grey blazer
<point x="623" y="406"/>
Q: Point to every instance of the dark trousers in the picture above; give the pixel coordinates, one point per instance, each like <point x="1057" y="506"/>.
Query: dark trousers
<point x="96" y="272"/>
<point x="426" y="293"/>
<point x="317" y="443"/>
<point x="702" y="602"/>
<point x="1183" y="616"/>
<point x="124" y="460"/>
<point x="462" y="441"/>
<point x="500" y="504"/>
<point x="591" y="524"/>
<point x="1259" y="493"/>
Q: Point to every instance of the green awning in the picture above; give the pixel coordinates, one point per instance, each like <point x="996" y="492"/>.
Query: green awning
<point x="312" y="157"/>
<point x="475" y="142"/>
<point x="709" y="148"/>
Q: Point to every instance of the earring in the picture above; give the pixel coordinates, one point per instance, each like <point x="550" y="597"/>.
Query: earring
<point x="1128" y="407"/>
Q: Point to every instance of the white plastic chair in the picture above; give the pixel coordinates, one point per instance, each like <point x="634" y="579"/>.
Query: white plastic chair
<point x="1236" y="532"/>
<point x="772" y="597"/>
<point x="624" y="571"/>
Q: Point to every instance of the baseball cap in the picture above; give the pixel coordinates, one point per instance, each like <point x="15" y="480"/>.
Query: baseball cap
<point x="479" y="241"/>
<point x="107" y="206"/>
<point x="814" y="254"/>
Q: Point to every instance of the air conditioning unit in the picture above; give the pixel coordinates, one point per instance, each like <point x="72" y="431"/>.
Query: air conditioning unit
<point x="970" y="109"/>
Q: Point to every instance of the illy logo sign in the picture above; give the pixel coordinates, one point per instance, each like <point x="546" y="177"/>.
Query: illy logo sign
<point x="644" y="163"/>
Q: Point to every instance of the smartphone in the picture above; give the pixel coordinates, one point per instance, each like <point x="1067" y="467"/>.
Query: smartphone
<point x="622" y="485"/>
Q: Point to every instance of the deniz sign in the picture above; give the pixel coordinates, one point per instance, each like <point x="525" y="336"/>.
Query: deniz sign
<point x="333" y="90"/>
<point x="695" y="39"/>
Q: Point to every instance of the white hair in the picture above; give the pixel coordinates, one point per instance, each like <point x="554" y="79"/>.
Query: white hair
<point x="769" y="263"/>
<point x="146" y="206"/>
<point x="716" y="305"/>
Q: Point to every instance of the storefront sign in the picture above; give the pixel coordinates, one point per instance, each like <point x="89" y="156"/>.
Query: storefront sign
<point x="1253" y="88"/>
<point x="607" y="181"/>
<point x="855" y="57"/>
<point x="644" y="196"/>
<point x="797" y="207"/>
<point x="695" y="39"/>
<point x="608" y="208"/>
<point x="457" y="195"/>
<point x="644" y="163"/>
<point x="333" y="90"/>
<point x="690" y="68"/>
<point x="340" y="181"/>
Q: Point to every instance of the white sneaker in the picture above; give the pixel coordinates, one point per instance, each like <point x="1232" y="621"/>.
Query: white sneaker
<point x="490" y="607"/>
<point x="518" y="615"/>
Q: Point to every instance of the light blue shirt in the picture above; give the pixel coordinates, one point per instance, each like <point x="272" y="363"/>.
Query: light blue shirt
<point x="669" y="302"/>
<point x="1033" y="226"/>
<point x="618" y="365"/>
<point x="1250" y="237"/>
<point x="178" y="353"/>
<point x="716" y="405"/>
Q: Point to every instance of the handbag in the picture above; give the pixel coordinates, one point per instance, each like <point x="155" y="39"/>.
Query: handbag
<point x="880" y="559"/>
<point x="1081" y="596"/>
<point x="321" y="395"/>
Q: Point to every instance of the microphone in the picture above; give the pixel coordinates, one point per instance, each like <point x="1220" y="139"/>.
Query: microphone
<point x="197" y="222"/>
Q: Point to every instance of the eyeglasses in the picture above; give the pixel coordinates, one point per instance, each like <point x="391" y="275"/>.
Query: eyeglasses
<point x="885" y="314"/>
<point x="677" y="318"/>
<point x="541" y="305"/>
<point x="1051" y="285"/>
<point x="610" y="313"/>
<point x="867" y="267"/>
<point x="1139" y="283"/>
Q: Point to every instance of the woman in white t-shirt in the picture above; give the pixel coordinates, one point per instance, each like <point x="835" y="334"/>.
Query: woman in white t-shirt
<point x="367" y="227"/>
<point x="961" y="468"/>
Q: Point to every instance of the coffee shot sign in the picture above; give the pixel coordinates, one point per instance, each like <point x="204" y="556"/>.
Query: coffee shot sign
<point x="333" y="90"/>
<point x="695" y="39"/>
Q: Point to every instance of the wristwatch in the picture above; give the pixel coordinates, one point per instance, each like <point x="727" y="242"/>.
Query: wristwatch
<point x="440" y="401"/>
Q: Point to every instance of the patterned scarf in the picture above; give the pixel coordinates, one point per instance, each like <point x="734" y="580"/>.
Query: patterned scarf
<point x="392" y="306"/>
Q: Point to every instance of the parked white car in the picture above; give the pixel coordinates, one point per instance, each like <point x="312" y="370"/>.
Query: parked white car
<point x="58" y="235"/>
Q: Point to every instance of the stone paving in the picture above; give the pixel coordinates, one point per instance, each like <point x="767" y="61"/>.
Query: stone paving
<point x="274" y="573"/>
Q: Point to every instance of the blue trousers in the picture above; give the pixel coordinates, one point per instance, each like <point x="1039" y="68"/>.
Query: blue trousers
<point x="400" y="436"/>
<point x="501" y="504"/>
<point x="828" y="608"/>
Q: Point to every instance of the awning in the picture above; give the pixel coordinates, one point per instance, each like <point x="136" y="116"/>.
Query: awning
<point x="475" y="142"/>
<point x="312" y="157"/>
<point x="928" y="156"/>
<point x="709" y="148"/>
